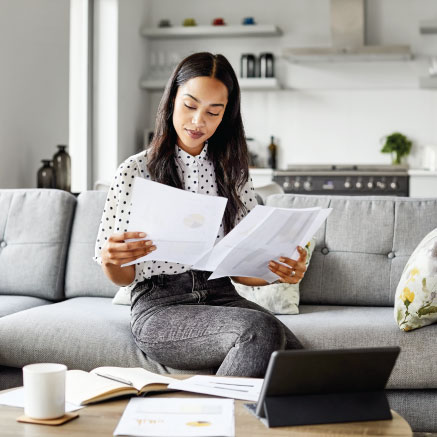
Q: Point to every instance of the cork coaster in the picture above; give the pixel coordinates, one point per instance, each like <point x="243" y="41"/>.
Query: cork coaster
<point x="59" y="421"/>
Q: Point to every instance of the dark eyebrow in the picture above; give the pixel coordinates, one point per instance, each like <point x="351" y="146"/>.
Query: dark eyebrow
<point x="212" y="104"/>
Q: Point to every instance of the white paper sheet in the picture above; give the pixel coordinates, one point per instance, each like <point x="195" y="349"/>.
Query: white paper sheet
<point x="15" y="398"/>
<point x="265" y="234"/>
<point x="247" y="389"/>
<point x="181" y="224"/>
<point x="182" y="417"/>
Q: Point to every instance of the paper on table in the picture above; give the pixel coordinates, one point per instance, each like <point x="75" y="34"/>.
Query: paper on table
<point x="266" y="233"/>
<point x="182" y="225"/>
<point x="182" y="417"/>
<point x="15" y="398"/>
<point x="247" y="389"/>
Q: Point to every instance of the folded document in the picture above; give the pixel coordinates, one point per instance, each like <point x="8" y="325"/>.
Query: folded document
<point x="184" y="228"/>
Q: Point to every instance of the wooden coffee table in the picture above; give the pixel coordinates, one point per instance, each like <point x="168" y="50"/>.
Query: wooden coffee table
<point x="101" y="419"/>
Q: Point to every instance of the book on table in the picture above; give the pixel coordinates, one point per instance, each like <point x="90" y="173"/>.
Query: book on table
<point x="103" y="383"/>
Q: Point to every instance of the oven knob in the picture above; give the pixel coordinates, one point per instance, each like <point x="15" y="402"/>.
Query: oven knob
<point x="381" y="185"/>
<point x="307" y="185"/>
<point x="359" y="185"/>
<point x="296" y="185"/>
<point x="286" y="185"/>
<point x="347" y="184"/>
<point x="370" y="185"/>
<point x="393" y="185"/>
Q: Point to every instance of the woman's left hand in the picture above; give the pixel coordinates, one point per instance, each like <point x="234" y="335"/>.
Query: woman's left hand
<point x="294" y="273"/>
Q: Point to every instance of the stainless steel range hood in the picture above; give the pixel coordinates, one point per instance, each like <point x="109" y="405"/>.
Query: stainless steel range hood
<point x="348" y="39"/>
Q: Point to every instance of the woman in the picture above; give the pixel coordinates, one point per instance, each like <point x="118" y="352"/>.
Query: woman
<point x="178" y="318"/>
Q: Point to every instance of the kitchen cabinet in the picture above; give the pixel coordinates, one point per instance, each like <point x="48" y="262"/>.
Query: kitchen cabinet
<point x="423" y="183"/>
<point x="261" y="176"/>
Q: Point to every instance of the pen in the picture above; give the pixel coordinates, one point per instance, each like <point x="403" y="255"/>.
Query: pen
<point x="114" y="378"/>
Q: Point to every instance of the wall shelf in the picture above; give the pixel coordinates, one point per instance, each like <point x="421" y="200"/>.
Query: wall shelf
<point x="427" y="82"/>
<point x="212" y="31"/>
<point x="428" y="27"/>
<point x="259" y="83"/>
<point x="254" y="84"/>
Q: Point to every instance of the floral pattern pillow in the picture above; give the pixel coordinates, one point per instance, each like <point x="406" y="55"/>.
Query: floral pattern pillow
<point x="416" y="294"/>
<point x="278" y="297"/>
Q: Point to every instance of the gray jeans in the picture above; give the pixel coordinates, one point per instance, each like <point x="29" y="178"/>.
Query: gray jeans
<point x="186" y="322"/>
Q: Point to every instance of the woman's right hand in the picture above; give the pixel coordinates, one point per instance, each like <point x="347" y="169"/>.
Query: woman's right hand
<point x="117" y="251"/>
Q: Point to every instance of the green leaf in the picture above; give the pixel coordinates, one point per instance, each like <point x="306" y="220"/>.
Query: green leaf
<point x="426" y="310"/>
<point x="397" y="143"/>
<point x="399" y="316"/>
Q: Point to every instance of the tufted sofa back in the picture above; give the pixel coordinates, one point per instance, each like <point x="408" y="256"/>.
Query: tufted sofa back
<point x="34" y="235"/>
<point x="363" y="247"/>
<point x="84" y="277"/>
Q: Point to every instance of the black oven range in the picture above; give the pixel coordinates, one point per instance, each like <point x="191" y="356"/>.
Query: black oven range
<point x="343" y="179"/>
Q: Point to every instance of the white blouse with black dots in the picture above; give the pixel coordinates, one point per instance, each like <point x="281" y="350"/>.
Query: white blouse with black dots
<point x="197" y="175"/>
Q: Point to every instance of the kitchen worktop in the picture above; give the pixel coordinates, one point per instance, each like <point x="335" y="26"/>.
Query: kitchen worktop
<point x="421" y="172"/>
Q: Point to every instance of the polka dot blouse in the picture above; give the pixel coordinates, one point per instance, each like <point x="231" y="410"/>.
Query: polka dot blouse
<point x="197" y="175"/>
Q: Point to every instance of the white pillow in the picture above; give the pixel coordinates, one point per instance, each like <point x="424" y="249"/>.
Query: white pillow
<point x="122" y="297"/>
<point x="416" y="294"/>
<point x="279" y="298"/>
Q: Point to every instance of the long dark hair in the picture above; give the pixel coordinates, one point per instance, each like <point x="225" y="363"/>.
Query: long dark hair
<point x="227" y="148"/>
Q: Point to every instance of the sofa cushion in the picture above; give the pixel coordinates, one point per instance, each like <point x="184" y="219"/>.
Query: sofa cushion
<point x="416" y="295"/>
<point x="82" y="333"/>
<point x="338" y="327"/>
<point x="35" y="229"/>
<point x="12" y="304"/>
<point x="363" y="247"/>
<point x="83" y="276"/>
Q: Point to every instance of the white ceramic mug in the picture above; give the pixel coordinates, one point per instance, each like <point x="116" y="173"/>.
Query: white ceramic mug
<point x="44" y="390"/>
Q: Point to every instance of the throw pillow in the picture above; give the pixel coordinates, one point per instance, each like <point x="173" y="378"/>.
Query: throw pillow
<point x="122" y="297"/>
<point x="279" y="298"/>
<point x="416" y="294"/>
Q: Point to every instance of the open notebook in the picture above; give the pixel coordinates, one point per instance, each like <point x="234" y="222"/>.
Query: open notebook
<point x="84" y="388"/>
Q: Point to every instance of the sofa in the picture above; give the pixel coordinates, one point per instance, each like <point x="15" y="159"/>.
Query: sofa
<point x="56" y="304"/>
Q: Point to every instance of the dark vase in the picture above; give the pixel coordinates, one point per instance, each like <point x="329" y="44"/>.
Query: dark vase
<point x="46" y="175"/>
<point x="62" y="167"/>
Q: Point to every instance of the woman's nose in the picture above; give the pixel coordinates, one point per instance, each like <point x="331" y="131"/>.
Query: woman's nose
<point x="198" y="119"/>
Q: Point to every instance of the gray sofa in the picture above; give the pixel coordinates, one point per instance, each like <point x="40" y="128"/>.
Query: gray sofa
<point x="55" y="302"/>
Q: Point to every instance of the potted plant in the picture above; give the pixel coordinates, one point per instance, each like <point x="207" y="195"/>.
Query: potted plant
<point x="397" y="144"/>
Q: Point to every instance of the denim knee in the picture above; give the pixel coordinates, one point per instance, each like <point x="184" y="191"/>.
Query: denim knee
<point x="268" y="332"/>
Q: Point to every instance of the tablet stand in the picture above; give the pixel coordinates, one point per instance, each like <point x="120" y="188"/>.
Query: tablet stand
<point x="314" y="409"/>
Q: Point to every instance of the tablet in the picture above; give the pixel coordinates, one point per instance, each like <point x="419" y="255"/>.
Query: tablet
<point x="308" y="375"/>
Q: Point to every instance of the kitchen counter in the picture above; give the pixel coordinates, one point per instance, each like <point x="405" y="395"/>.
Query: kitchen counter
<point x="423" y="183"/>
<point x="261" y="176"/>
<point x="422" y="172"/>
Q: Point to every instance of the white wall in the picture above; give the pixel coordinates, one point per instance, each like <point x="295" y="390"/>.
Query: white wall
<point x="133" y="104"/>
<point x="34" y="60"/>
<point x="329" y="112"/>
